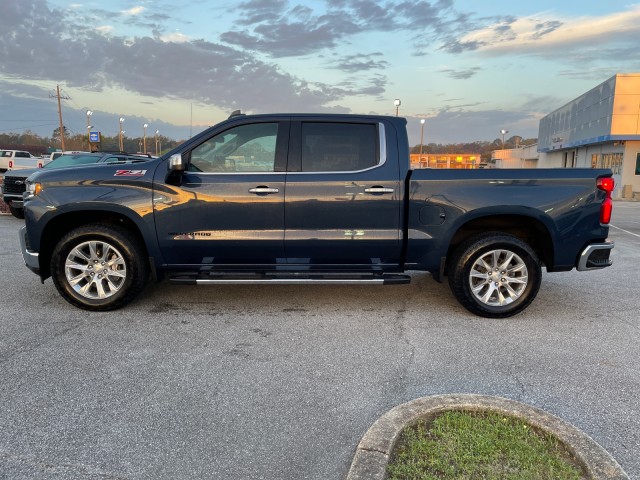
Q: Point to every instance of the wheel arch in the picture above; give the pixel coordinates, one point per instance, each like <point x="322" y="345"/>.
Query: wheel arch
<point x="63" y="223"/>
<point x="531" y="230"/>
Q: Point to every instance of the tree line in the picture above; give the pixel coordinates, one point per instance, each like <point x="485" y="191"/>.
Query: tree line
<point x="38" y="145"/>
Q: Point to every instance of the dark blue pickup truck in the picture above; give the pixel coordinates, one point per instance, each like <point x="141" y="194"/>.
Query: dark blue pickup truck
<point x="304" y="198"/>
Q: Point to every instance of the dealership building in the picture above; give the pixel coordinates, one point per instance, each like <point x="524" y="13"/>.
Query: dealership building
<point x="599" y="129"/>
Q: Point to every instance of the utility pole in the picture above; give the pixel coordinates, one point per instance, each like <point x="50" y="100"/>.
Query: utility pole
<point x="58" y="96"/>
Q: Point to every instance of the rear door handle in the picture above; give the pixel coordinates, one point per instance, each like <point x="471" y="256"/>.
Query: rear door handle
<point x="379" y="190"/>
<point x="264" y="190"/>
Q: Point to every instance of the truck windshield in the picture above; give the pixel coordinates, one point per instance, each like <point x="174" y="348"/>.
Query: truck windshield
<point x="72" y="160"/>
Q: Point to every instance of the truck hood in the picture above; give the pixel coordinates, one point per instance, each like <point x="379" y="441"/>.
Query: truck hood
<point x="22" y="173"/>
<point x="95" y="172"/>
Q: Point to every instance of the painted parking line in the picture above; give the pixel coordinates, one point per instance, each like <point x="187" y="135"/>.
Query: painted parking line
<point x="625" y="231"/>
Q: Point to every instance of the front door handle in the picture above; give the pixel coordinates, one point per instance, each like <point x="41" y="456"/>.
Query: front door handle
<point x="378" y="190"/>
<point x="263" y="190"/>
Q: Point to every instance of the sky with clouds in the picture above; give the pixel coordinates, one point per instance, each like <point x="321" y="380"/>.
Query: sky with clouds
<point x="470" y="68"/>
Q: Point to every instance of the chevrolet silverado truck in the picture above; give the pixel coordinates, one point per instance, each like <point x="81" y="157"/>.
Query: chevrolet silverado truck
<point x="303" y="198"/>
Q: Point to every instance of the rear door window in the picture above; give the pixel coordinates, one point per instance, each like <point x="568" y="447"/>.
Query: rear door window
<point x="338" y="147"/>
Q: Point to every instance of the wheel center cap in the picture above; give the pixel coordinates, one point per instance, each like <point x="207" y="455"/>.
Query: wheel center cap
<point x="496" y="277"/>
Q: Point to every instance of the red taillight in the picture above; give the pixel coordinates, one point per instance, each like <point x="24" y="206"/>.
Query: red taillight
<point x="10" y="163"/>
<point x="605" y="210"/>
<point x="607" y="185"/>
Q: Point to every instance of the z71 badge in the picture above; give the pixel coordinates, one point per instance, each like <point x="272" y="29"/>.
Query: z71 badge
<point x="129" y="173"/>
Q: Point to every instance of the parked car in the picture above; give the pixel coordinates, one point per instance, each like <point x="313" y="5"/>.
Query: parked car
<point x="54" y="155"/>
<point x="15" y="181"/>
<point x="12" y="158"/>
<point x="303" y="198"/>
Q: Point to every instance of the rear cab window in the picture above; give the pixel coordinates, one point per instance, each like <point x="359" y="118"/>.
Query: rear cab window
<point x="338" y="147"/>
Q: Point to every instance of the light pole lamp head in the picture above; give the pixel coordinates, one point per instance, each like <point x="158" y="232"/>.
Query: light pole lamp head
<point x="121" y="119"/>
<point x="397" y="102"/>
<point x="157" y="132"/>
<point x="422" y="120"/>
<point x="89" y="113"/>
<point x="504" y="132"/>
<point x="145" y="125"/>
<point x="89" y="127"/>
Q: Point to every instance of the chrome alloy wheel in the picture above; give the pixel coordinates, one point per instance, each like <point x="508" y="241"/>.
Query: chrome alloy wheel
<point x="498" y="278"/>
<point x="95" y="270"/>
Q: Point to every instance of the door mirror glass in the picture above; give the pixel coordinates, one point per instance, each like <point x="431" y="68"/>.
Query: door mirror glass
<point x="175" y="163"/>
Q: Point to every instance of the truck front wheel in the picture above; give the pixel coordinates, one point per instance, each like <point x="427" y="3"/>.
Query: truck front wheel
<point x="495" y="275"/>
<point x="99" y="267"/>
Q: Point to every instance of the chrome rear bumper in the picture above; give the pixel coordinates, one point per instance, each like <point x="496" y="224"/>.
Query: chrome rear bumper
<point x="595" y="256"/>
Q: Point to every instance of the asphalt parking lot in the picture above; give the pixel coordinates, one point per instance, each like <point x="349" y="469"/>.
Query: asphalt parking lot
<point x="281" y="382"/>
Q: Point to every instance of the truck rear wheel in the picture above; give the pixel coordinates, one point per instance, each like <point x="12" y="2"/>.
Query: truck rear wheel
<point x="495" y="275"/>
<point x="99" y="267"/>
<point x="16" y="212"/>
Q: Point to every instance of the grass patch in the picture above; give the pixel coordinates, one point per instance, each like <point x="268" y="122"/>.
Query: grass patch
<point x="480" y="445"/>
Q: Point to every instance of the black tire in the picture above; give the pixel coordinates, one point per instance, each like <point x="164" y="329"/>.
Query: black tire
<point x="495" y="293"/>
<point x="99" y="267"/>
<point x="16" y="212"/>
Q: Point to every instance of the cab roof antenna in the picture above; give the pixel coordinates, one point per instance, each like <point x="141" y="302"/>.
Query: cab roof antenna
<point x="235" y="113"/>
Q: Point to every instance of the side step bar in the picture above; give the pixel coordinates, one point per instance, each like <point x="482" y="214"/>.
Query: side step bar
<point x="282" y="280"/>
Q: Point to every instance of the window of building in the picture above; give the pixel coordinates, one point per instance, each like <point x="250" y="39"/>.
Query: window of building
<point x="246" y="148"/>
<point x="338" y="147"/>
<point x="608" y="160"/>
<point x="637" y="163"/>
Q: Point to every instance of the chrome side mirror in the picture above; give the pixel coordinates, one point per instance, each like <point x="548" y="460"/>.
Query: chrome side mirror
<point x="175" y="163"/>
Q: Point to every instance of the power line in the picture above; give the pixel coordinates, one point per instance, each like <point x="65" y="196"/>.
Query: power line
<point x="28" y="126"/>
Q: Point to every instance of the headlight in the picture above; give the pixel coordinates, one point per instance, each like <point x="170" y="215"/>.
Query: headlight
<point x="33" y="189"/>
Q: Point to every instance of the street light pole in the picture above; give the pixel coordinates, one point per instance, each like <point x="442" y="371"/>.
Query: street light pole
<point x="157" y="132"/>
<point x="397" y="103"/>
<point x="121" y="119"/>
<point x="89" y="127"/>
<point x="503" y="132"/>
<point x="144" y="138"/>
<point x="422" y="121"/>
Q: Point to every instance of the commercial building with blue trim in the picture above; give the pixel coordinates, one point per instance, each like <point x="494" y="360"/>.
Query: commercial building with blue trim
<point x="600" y="128"/>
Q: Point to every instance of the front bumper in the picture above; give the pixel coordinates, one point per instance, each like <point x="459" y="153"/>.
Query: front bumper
<point x="15" y="202"/>
<point x="31" y="258"/>
<point x="595" y="256"/>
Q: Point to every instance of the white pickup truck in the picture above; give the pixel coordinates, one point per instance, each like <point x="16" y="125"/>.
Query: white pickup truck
<point x="19" y="159"/>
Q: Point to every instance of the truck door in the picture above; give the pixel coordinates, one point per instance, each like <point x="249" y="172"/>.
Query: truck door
<point x="343" y="196"/>
<point x="227" y="209"/>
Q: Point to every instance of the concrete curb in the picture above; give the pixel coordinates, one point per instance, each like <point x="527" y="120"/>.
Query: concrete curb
<point x="374" y="450"/>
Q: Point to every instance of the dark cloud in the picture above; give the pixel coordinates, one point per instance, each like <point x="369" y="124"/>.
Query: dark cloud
<point x="461" y="74"/>
<point x="545" y="28"/>
<point x="360" y="63"/>
<point x="258" y="11"/>
<point x="284" y="38"/>
<point x="42" y="48"/>
<point x="456" y="46"/>
<point x="373" y="86"/>
<point x="277" y="30"/>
